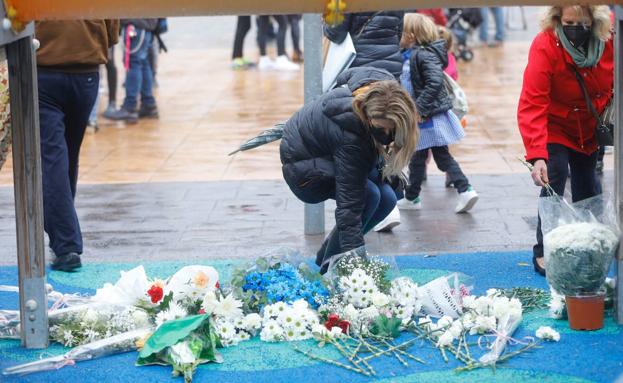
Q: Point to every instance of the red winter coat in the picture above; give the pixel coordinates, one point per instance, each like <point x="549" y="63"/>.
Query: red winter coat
<point x="552" y="107"/>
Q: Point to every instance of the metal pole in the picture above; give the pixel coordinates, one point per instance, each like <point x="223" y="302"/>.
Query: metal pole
<point x="314" y="214"/>
<point x="28" y="196"/>
<point x="618" y="145"/>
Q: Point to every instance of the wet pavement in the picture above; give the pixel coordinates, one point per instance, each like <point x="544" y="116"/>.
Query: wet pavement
<point x="166" y="189"/>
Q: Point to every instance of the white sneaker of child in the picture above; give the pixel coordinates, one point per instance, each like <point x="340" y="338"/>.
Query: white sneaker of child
<point x="265" y="63"/>
<point x="467" y="200"/>
<point x="283" y="63"/>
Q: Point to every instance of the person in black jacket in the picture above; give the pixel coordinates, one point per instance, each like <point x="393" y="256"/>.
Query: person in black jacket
<point x="423" y="77"/>
<point x="376" y="37"/>
<point x="137" y="37"/>
<point x="331" y="148"/>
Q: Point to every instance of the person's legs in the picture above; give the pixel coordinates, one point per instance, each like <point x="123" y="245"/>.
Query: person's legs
<point x="584" y="184"/>
<point x="386" y="204"/>
<point x="82" y="96"/>
<point x="498" y="17"/>
<point x="557" y="172"/>
<point x="138" y="58"/>
<point x="484" y="27"/>
<point x="599" y="168"/>
<point x="295" y="32"/>
<point x="111" y="76"/>
<point x="147" y="97"/>
<point x="242" y="28"/>
<point x="282" y="20"/>
<point x="417" y="168"/>
<point x="447" y="164"/>
<point x="262" y="33"/>
<point x="60" y="219"/>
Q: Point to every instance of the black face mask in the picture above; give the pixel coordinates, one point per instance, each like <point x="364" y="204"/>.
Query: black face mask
<point x="381" y="137"/>
<point x="576" y="34"/>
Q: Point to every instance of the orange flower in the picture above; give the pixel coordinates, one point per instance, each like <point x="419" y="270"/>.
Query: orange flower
<point x="201" y="280"/>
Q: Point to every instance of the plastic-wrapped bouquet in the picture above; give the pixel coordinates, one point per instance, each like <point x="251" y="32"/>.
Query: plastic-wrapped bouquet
<point x="579" y="242"/>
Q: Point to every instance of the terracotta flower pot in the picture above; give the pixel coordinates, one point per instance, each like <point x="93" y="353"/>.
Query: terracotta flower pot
<point x="586" y="312"/>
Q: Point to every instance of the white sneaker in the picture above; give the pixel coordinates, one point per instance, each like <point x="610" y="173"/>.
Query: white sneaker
<point x="467" y="200"/>
<point x="283" y="63"/>
<point x="265" y="63"/>
<point x="405" y="204"/>
<point x="392" y="220"/>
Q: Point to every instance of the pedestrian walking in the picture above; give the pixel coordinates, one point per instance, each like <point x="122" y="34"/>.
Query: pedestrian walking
<point x="68" y="81"/>
<point x="498" y="18"/>
<point x="425" y="59"/>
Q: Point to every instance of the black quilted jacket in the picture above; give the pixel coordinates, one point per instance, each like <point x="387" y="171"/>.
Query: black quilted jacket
<point x="376" y="37"/>
<point x="427" y="64"/>
<point x="327" y="152"/>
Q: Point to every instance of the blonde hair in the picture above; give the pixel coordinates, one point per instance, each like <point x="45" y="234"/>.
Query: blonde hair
<point x="446" y="34"/>
<point x="599" y="14"/>
<point x="418" y="29"/>
<point x="388" y="100"/>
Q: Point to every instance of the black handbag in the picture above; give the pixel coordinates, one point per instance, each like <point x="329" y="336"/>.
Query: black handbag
<point x="605" y="127"/>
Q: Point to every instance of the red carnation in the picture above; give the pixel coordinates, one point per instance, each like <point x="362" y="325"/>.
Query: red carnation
<point x="218" y="286"/>
<point x="201" y="311"/>
<point x="156" y="293"/>
<point x="332" y="321"/>
<point x="344" y="325"/>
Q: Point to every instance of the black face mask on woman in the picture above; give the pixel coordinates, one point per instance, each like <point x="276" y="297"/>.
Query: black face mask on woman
<point x="381" y="137"/>
<point x="576" y="34"/>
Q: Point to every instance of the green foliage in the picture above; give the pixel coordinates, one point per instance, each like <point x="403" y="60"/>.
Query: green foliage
<point x="385" y="327"/>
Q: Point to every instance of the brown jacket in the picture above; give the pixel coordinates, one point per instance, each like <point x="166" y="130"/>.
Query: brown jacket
<point x="75" y="46"/>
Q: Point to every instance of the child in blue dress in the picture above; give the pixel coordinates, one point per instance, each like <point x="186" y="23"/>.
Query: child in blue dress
<point x="425" y="57"/>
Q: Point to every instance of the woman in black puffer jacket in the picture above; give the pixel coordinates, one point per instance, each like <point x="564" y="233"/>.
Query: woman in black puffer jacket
<point x="331" y="147"/>
<point x="376" y="37"/>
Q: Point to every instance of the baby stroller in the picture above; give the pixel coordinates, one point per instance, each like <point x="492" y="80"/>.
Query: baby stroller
<point x="462" y="21"/>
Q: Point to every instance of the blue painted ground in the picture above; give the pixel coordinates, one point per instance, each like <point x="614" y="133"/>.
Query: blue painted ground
<point x="578" y="357"/>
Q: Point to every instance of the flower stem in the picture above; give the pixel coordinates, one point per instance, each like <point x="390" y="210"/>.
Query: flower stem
<point x="331" y="361"/>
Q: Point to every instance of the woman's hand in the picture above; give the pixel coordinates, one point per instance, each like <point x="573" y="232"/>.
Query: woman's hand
<point x="539" y="173"/>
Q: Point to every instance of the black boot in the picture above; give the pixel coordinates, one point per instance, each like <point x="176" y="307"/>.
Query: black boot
<point x="66" y="262"/>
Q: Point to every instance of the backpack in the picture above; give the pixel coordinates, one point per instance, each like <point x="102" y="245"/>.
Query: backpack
<point x="459" y="100"/>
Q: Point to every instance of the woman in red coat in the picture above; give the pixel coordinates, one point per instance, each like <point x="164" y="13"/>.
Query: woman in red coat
<point x="556" y="125"/>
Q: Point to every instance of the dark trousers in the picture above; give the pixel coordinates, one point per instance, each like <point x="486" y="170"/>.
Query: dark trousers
<point x="380" y="201"/>
<point x="262" y="34"/>
<point x="111" y="76"/>
<point x="242" y="28"/>
<point x="445" y="162"/>
<point x="295" y="31"/>
<point x="65" y="102"/>
<point x="584" y="183"/>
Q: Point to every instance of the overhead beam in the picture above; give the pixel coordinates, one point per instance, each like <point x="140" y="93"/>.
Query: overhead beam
<point x="29" y="10"/>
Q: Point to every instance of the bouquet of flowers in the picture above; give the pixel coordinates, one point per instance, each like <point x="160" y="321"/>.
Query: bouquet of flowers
<point x="579" y="242"/>
<point x="183" y="344"/>
<point x="269" y="282"/>
<point x="288" y="322"/>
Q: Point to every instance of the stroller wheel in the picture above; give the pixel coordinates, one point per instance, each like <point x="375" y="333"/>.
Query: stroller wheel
<point x="467" y="55"/>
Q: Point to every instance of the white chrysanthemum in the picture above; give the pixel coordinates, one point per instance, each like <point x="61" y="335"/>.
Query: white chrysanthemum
<point x="445" y="339"/>
<point x="379" y="299"/>
<point x="182" y="354"/>
<point x="225" y="330"/>
<point x="469" y="302"/>
<point x="300" y="305"/>
<point x="279" y="307"/>
<point x="68" y="337"/>
<point x="484" y="305"/>
<point x="492" y="292"/>
<point x="272" y="331"/>
<point x="90" y="316"/>
<point x="174" y="311"/>
<point x="228" y="307"/>
<point x="209" y="302"/>
<point x="91" y="335"/>
<point x="140" y="318"/>
<point x="483" y="324"/>
<point x="369" y="313"/>
<point x="547" y="333"/>
<point x="445" y="321"/>
<point x="456" y="329"/>
<point x="252" y="321"/>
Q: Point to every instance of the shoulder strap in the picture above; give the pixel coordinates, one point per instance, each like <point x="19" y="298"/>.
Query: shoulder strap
<point x="363" y="27"/>
<point x="587" y="98"/>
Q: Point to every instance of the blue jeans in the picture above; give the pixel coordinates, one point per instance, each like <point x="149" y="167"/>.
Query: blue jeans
<point x="498" y="16"/>
<point x="139" y="77"/>
<point x="65" y="102"/>
<point x="380" y="201"/>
